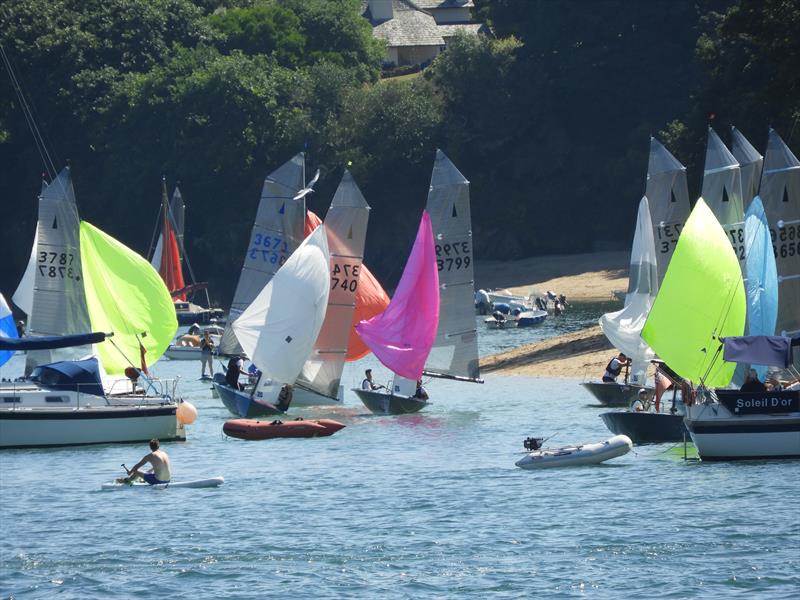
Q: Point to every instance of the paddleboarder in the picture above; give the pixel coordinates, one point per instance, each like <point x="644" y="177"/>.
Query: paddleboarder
<point x="206" y="355"/>
<point x="158" y="459"/>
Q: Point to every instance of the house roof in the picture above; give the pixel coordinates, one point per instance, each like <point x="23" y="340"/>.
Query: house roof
<point x="472" y="28"/>
<point x="429" y="4"/>
<point x="409" y="27"/>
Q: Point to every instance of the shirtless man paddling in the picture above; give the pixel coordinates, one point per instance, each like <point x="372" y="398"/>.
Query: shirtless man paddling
<point x="158" y="459"/>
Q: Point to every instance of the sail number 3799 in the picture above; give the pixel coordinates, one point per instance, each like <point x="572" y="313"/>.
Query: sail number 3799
<point x="454" y="256"/>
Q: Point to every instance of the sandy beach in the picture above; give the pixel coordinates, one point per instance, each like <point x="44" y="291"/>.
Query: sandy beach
<point x="583" y="278"/>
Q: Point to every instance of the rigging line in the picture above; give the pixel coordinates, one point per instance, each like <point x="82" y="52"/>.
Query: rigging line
<point x="28" y="112"/>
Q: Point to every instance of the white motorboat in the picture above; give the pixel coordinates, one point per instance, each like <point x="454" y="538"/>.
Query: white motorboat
<point x="571" y="456"/>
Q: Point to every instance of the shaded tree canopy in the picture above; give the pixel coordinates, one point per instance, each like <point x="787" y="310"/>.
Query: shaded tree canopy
<point x="549" y="118"/>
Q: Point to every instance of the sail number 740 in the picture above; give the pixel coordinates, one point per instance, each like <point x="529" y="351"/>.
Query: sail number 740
<point x="345" y="277"/>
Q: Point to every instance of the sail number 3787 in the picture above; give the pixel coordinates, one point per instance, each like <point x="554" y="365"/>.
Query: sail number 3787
<point x="56" y="265"/>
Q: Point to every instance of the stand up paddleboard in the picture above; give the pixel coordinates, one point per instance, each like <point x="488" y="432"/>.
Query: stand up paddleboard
<point x="198" y="483"/>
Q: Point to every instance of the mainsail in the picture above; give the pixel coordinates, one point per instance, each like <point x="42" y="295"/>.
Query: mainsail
<point x="623" y="328"/>
<point x="371" y="298"/>
<point x="668" y="195"/>
<point x="750" y="164"/>
<point x="722" y="191"/>
<point x="455" y="351"/>
<point x="780" y="193"/>
<point x="402" y="335"/>
<point x="58" y="306"/>
<point x="125" y="295"/>
<point x="761" y="284"/>
<point x="279" y="327"/>
<point x="700" y="301"/>
<point x="346" y="226"/>
<point x="277" y="232"/>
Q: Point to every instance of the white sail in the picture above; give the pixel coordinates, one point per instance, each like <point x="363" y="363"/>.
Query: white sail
<point x="668" y="195"/>
<point x="346" y="225"/>
<point x="59" y="304"/>
<point x="277" y="232"/>
<point x="279" y="328"/>
<point x="623" y="328"/>
<point x="780" y="193"/>
<point x="750" y="164"/>
<point x="23" y="297"/>
<point x="455" y="351"/>
<point x="722" y="191"/>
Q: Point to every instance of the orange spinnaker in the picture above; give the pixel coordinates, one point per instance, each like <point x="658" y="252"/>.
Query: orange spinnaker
<point x="371" y="298"/>
<point x="170" y="270"/>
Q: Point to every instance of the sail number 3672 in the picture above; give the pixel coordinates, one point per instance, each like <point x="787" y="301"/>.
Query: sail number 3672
<point x="270" y="249"/>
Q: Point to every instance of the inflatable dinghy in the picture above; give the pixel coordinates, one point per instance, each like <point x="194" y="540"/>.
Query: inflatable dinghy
<point x="247" y="429"/>
<point x="570" y="456"/>
<point x="140" y="485"/>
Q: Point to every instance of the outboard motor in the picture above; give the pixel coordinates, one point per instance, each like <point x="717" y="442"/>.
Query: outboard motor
<point x="532" y="443"/>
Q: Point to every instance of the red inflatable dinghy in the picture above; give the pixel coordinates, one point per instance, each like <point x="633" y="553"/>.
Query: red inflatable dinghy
<point x="247" y="429"/>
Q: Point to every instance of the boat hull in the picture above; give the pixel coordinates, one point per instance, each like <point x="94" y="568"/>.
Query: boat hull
<point x="242" y="404"/>
<point x="615" y="394"/>
<point x="245" y="429"/>
<point x="646" y="428"/>
<point x="531" y="318"/>
<point x="719" y="434"/>
<point x="44" y="427"/>
<point x="573" y="456"/>
<point x="381" y="403"/>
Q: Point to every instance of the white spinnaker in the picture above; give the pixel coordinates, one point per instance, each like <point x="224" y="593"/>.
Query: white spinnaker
<point x="23" y="297"/>
<point x="624" y="327"/>
<point x="750" y="164"/>
<point x="279" y="328"/>
<point x="346" y="226"/>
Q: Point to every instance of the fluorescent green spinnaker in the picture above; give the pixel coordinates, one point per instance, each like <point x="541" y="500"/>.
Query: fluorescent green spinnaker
<point x="127" y="296"/>
<point x="701" y="299"/>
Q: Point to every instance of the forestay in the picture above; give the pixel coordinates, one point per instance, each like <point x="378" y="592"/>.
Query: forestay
<point x="623" y="328"/>
<point x="279" y="328"/>
<point x="455" y="351"/>
<point x="276" y="234"/>
<point x="125" y="295"/>
<point x="346" y="226"/>
<point x="722" y="191"/>
<point x="780" y="193"/>
<point x="668" y="195"/>
<point x="402" y="336"/>
<point x="761" y="285"/>
<point x="58" y="304"/>
<point x="750" y="164"/>
<point x="700" y="301"/>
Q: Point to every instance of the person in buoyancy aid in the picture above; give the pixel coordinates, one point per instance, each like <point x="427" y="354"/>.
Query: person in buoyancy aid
<point x="285" y="398"/>
<point x="235" y="366"/>
<point x="614" y="367"/>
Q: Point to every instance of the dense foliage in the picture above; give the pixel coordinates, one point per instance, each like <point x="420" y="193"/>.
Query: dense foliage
<point x="549" y="119"/>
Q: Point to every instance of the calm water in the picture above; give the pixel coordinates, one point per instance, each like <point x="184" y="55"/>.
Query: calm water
<point x="425" y="505"/>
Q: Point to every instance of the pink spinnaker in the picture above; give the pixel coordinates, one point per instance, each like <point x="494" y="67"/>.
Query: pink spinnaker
<point x="402" y="335"/>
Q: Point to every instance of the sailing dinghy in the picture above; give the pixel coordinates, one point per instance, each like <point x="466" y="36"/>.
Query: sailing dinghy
<point x="279" y="328"/>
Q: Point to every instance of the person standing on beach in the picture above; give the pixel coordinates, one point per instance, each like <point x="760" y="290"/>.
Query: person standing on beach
<point x="206" y="355"/>
<point x="614" y="368"/>
<point x="158" y="459"/>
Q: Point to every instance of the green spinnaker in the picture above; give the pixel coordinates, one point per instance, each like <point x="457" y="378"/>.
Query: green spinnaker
<point x="701" y="299"/>
<point x="124" y="295"/>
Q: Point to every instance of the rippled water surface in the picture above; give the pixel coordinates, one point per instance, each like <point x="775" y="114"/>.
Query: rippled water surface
<point x="424" y="505"/>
